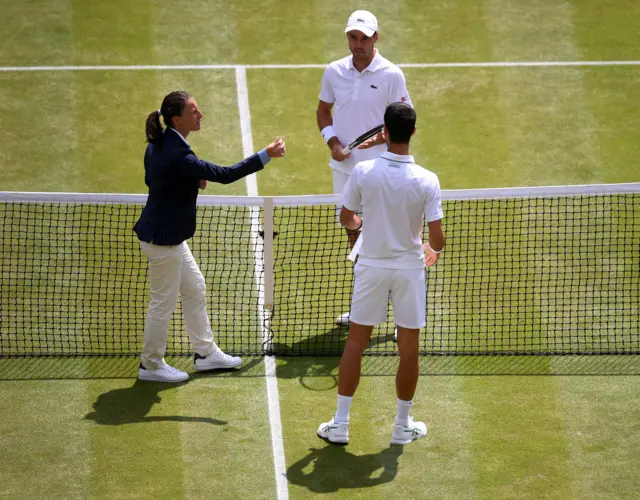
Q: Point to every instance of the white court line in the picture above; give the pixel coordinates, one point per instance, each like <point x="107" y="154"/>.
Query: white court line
<point x="269" y="361"/>
<point x="154" y="67"/>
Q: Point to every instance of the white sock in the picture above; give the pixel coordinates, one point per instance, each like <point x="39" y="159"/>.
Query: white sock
<point x="342" y="413"/>
<point x="402" y="417"/>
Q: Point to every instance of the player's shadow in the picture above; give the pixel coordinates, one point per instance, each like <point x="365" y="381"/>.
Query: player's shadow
<point x="332" y="468"/>
<point x="323" y="362"/>
<point x="131" y="405"/>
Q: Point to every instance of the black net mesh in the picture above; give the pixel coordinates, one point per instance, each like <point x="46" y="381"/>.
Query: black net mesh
<point x="544" y="275"/>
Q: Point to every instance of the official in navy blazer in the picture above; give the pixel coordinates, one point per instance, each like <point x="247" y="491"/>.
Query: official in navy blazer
<point x="174" y="174"/>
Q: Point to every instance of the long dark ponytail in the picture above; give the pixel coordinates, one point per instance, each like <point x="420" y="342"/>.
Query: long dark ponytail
<point x="172" y="105"/>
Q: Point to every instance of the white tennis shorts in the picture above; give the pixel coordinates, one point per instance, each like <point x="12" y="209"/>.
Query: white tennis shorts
<point x="339" y="182"/>
<point x="372" y="288"/>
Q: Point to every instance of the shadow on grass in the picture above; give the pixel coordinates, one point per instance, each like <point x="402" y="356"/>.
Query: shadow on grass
<point x="333" y="468"/>
<point x="130" y="405"/>
<point x="316" y="370"/>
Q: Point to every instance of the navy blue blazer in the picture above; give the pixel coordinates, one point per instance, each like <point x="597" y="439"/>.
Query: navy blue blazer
<point x="173" y="173"/>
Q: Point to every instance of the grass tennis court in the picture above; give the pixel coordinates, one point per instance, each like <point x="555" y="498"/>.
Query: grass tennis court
<point x="555" y="427"/>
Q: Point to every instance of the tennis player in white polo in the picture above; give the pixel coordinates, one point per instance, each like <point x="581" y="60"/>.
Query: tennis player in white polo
<point x="358" y="89"/>
<point x="395" y="196"/>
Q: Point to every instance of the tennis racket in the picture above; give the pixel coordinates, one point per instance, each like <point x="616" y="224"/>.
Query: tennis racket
<point x="361" y="138"/>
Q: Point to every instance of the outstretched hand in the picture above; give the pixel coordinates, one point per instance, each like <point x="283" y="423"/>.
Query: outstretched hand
<point x="374" y="141"/>
<point x="277" y="148"/>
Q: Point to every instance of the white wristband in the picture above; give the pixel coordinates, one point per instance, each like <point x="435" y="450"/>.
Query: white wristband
<point x="327" y="133"/>
<point x="434" y="251"/>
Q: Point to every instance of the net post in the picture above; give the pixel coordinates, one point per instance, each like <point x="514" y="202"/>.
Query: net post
<point x="268" y="264"/>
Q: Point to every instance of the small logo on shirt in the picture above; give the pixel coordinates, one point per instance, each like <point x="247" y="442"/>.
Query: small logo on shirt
<point x="393" y="165"/>
<point x="373" y="87"/>
<point x="404" y="99"/>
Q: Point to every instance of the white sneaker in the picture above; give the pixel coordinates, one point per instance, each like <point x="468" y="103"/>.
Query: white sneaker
<point x="404" y="435"/>
<point x="335" y="433"/>
<point x="165" y="373"/>
<point x="215" y="361"/>
<point x="343" y="319"/>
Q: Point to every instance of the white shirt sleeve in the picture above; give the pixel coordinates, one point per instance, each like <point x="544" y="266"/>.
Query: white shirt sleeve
<point x="351" y="197"/>
<point x="398" y="91"/>
<point x="326" y="90"/>
<point x="433" y="202"/>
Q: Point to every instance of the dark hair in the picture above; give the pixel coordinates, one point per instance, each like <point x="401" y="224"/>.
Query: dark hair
<point x="400" y="119"/>
<point x="172" y="105"/>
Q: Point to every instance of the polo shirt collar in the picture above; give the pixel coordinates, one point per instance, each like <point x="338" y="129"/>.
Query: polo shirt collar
<point x="180" y="135"/>
<point x="387" y="155"/>
<point x="374" y="65"/>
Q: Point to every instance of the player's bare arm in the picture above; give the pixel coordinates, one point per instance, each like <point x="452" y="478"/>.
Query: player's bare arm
<point x="325" y="119"/>
<point x="350" y="220"/>
<point x="435" y="245"/>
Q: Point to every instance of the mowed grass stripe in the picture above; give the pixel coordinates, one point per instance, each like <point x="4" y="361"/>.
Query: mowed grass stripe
<point x="280" y="30"/>
<point x="517" y="441"/>
<point x="78" y="143"/>
<point x="113" y="158"/>
<point x="136" y="450"/>
<point x="618" y="116"/>
<point x="606" y="31"/>
<point x="46" y="446"/>
<point x="450" y="106"/>
<point x="106" y="33"/>
<point x="277" y="110"/>
<point x="441" y="31"/>
<point x="550" y="129"/>
<point x="409" y="30"/>
<point x="195" y="32"/>
<point x="230" y="456"/>
<point x="36" y="32"/>
<point x="600" y="419"/>
<point x="40" y="145"/>
<point x="437" y="467"/>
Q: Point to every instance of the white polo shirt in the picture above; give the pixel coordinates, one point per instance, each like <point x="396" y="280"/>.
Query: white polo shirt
<point x="360" y="100"/>
<point x="395" y="195"/>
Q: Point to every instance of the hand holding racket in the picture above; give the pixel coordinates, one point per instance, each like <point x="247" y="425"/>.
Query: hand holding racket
<point x="361" y="139"/>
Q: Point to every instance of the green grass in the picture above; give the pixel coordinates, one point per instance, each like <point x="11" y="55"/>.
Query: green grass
<point x="119" y="438"/>
<point x="500" y="427"/>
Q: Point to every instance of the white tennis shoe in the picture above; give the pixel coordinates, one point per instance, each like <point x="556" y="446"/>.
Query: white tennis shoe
<point x="165" y="373"/>
<point x="333" y="432"/>
<point x="215" y="361"/>
<point x="343" y="319"/>
<point x="405" y="435"/>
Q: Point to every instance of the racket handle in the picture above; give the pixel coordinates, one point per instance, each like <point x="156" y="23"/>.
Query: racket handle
<point x="347" y="150"/>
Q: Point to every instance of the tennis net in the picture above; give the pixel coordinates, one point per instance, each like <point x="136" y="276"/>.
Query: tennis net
<point x="551" y="270"/>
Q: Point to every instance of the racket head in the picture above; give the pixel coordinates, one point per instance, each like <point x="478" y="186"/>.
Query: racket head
<point x="361" y="138"/>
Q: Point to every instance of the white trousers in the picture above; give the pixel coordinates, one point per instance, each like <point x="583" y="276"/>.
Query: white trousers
<point x="173" y="270"/>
